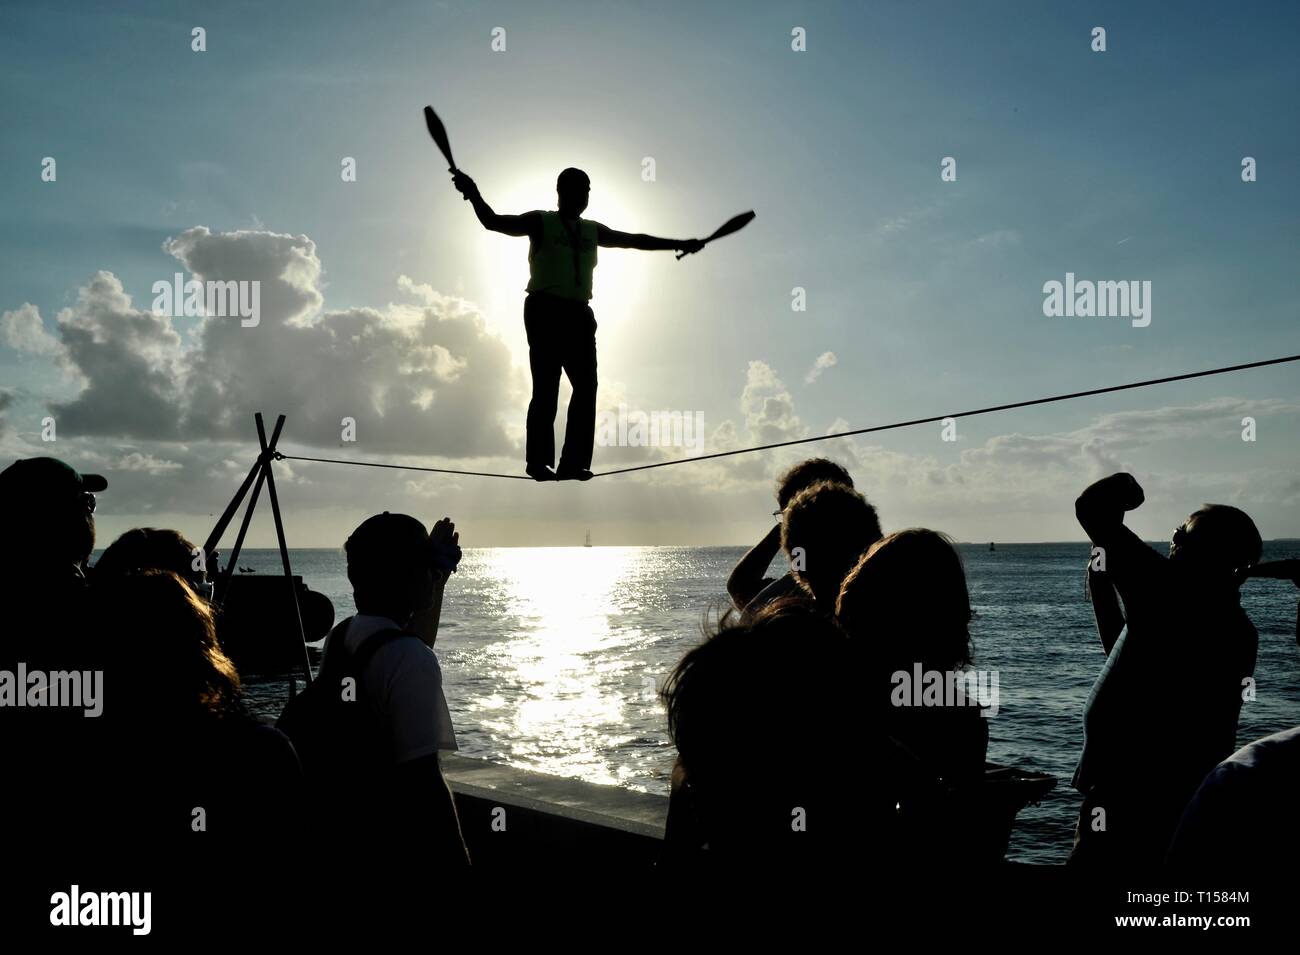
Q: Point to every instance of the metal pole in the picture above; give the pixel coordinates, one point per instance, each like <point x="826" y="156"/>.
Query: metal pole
<point x="224" y="580"/>
<point x="215" y="537"/>
<point x="267" y="451"/>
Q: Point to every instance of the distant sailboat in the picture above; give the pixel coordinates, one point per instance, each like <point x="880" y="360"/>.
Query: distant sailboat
<point x="587" y="543"/>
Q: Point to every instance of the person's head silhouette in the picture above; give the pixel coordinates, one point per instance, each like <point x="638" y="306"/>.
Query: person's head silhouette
<point x="1216" y="541"/>
<point x="49" y="510"/>
<point x="574" y="189"/>
<point x="750" y="790"/>
<point x="907" y="602"/>
<point x="153" y="548"/>
<point x="391" y="566"/>
<point x="827" y="527"/>
<point x="807" y="473"/>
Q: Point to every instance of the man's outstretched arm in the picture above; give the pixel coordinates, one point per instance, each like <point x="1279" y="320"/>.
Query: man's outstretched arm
<point x="608" y="238"/>
<point x="526" y="224"/>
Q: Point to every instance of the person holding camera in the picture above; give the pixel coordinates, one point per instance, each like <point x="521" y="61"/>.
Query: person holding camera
<point x="394" y="795"/>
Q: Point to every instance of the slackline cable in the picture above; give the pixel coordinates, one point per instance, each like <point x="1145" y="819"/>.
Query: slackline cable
<point x="838" y="434"/>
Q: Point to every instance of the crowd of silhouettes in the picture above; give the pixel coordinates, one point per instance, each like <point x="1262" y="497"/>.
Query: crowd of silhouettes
<point x="793" y="740"/>
<point x="1157" y="774"/>
<point x="172" y="749"/>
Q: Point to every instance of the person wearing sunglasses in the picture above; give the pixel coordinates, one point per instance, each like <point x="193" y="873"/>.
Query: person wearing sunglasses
<point x="748" y="584"/>
<point x="47" y="509"/>
<point x="1163" y="710"/>
<point x="47" y="516"/>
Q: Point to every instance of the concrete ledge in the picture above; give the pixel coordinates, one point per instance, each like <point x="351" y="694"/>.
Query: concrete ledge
<point x="551" y="818"/>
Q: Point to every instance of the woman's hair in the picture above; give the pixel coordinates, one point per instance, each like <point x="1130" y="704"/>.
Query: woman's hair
<point x="762" y="714"/>
<point x="717" y="693"/>
<point x="906" y="602"/>
<point x="148" y="548"/>
<point x="162" y="658"/>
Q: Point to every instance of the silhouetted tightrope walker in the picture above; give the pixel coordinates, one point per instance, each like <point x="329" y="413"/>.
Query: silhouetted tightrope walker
<point x="826" y="437"/>
<point x="559" y="322"/>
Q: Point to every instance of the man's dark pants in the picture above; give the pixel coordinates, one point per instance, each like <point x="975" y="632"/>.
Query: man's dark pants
<point x="561" y="337"/>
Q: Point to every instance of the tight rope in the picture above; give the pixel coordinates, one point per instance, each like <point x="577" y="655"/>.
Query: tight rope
<point x="399" y="467"/>
<point x="838" y="434"/>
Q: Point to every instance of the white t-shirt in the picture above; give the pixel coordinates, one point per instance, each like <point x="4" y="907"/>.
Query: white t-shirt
<point x="404" y="681"/>
<point x="1243" y="816"/>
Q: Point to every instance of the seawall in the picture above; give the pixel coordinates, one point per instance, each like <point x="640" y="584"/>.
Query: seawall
<point x="510" y="815"/>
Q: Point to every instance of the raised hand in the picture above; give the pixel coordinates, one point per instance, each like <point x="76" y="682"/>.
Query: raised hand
<point x="465" y="185"/>
<point x="1128" y="492"/>
<point x="444" y="542"/>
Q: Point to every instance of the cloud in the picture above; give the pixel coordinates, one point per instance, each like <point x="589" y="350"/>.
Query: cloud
<point x="825" y="360"/>
<point x="1109" y="443"/>
<point x="23" y="331"/>
<point x="136" y="461"/>
<point x="768" y="407"/>
<point x="999" y="238"/>
<point x="1131" y="428"/>
<point x="911" y="219"/>
<point x="426" y="379"/>
<point x="129" y="360"/>
<point x="1030" y="478"/>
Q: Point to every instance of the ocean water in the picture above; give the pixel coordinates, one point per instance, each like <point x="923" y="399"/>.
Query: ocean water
<point x="551" y="657"/>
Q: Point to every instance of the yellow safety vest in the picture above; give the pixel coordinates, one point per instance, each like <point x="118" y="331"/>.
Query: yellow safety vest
<point x="553" y="266"/>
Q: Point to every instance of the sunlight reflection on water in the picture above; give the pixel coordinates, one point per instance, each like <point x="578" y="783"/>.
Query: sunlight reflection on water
<point x="576" y="640"/>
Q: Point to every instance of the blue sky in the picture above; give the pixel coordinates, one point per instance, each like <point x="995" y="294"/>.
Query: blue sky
<point x="1116" y="165"/>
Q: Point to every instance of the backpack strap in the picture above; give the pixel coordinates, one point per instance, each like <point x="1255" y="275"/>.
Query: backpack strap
<point x="356" y="661"/>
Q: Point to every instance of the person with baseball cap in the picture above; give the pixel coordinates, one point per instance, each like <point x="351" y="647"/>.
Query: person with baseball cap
<point x="47" y="509"/>
<point x="47" y="512"/>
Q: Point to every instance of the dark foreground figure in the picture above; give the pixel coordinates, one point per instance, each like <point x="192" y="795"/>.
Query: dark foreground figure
<point x="1242" y="818"/>
<point x="793" y="755"/>
<point x="1164" y="709"/>
<point x="748" y="584"/>
<point x="371" y="726"/>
